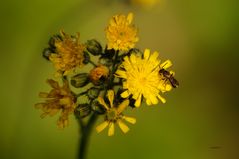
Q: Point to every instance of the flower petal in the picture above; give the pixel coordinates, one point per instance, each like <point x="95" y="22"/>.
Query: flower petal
<point x="148" y="102"/>
<point x="129" y="119"/>
<point x="154" y="56"/>
<point x="166" y="64"/>
<point x="153" y="99"/>
<point x="130" y="17"/>
<point x="53" y="83"/>
<point x="162" y="99"/>
<point x="123" y="126"/>
<point x="122" y="106"/>
<point x="102" y="126"/>
<point x="121" y="74"/>
<point x="133" y="58"/>
<point x="138" y="101"/>
<point x="110" y="95"/>
<point x="111" y="130"/>
<point x="43" y="95"/>
<point x="102" y="102"/>
<point x="146" y="54"/>
<point x="125" y="94"/>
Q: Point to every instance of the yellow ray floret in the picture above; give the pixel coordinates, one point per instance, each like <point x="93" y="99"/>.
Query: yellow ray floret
<point x="121" y="33"/>
<point x="114" y="115"/>
<point x="142" y="79"/>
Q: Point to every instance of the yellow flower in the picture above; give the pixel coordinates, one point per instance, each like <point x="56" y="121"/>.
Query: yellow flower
<point x="58" y="99"/>
<point x="97" y="73"/>
<point x="120" y="33"/>
<point x="144" y="3"/>
<point x="114" y="115"/>
<point x="142" y="78"/>
<point x="69" y="53"/>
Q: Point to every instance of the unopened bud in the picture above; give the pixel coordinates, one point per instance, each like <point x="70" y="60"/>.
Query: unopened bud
<point x="46" y="53"/>
<point x="82" y="110"/>
<point x="98" y="74"/>
<point x="86" y="58"/>
<point x="94" y="47"/>
<point x="93" y="93"/>
<point x="80" y="80"/>
<point x="97" y="108"/>
<point x="106" y="61"/>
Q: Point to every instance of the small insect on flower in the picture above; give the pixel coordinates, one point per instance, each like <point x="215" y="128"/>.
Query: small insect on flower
<point x="58" y="99"/>
<point x="168" y="76"/>
<point x="114" y="115"/>
<point x="141" y="78"/>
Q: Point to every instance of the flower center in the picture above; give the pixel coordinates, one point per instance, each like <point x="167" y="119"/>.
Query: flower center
<point x="121" y="33"/>
<point x="142" y="80"/>
<point x="112" y="114"/>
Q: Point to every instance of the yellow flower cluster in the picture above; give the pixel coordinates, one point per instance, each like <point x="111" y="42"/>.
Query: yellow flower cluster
<point x="134" y="76"/>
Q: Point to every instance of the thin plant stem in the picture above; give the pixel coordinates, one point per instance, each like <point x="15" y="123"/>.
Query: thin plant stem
<point x="86" y="128"/>
<point x="85" y="136"/>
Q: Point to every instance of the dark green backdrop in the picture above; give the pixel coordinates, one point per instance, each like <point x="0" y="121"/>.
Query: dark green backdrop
<point x="200" y="118"/>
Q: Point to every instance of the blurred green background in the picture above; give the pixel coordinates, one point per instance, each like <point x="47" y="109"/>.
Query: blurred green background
<point x="200" y="118"/>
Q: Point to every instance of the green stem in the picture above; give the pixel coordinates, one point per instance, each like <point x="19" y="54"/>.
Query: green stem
<point x="85" y="136"/>
<point x="91" y="62"/>
<point x="86" y="128"/>
<point x="111" y="81"/>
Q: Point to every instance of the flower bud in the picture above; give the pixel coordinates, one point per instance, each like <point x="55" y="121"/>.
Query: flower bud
<point x="46" y="53"/>
<point x="105" y="61"/>
<point x="86" y="58"/>
<point x="94" y="47"/>
<point x="79" y="80"/>
<point x="51" y="47"/>
<point x="97" y="108"/>
<point x="98" y="74"/>
<point x="82" y="110"/>
<point x="93" y="93"/>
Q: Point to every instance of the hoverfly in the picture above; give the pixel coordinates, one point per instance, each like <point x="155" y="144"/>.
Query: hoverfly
<point x="169" y="76"/>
